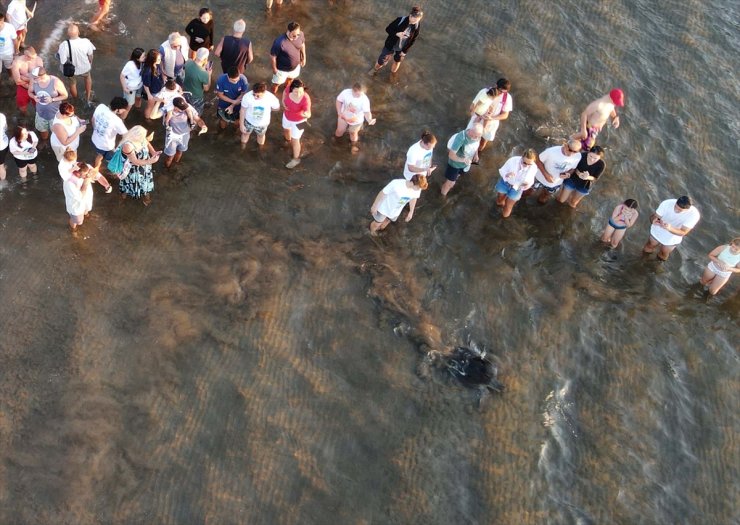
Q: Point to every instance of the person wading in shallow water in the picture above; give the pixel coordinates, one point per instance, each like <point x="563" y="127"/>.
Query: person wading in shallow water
<point x="402" y="33"/>
<point x="462" y="151"/>
<point x="353" y="107"/>
<point x="723" y="262"/>
<point x="596" y="115"/>
<point x="671" y="222"/>
<point x="392" y="199"/>
<point x="101" y="16"/>
<point x="179" y="122"/>
<point x="297" y="106"/>
<point x="490" y="106"/>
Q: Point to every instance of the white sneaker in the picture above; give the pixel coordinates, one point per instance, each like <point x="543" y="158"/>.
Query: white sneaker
<point x="293" y="163"/>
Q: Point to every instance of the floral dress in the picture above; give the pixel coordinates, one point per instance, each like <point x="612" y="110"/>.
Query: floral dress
<point x="140" y="179"/>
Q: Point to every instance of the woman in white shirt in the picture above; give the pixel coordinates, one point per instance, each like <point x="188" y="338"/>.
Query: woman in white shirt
<point x="131" y="81"/>
<point x="517" y="176"/>
<point x="353" y="107"/>
<point x="66" y="129"/>
<point x="23" y="148"/>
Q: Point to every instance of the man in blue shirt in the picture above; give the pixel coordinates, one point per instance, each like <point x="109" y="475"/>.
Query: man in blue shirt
<point x="230" y="88"/>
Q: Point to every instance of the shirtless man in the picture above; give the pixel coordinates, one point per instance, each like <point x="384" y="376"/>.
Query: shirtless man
<point x="22" y="75"/>
<point x="596" y="115"/>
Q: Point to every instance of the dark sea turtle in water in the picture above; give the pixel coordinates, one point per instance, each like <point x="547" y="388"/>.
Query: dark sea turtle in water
<point x="469" y="365"/>
<point x="472" y="369"/>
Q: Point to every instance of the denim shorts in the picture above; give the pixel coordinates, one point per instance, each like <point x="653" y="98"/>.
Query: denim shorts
<point x="107" y="155"/>
<point x="572" y="186"/>
<point x="507" y="189"/>
<point x="131" y="96"/>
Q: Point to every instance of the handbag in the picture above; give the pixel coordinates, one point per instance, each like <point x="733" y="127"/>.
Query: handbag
<point x="118" y="164"/>
<point x="68" y="68"/>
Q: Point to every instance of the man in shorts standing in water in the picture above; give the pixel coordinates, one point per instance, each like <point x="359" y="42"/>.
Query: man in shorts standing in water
<point x="596" y="115"/>
<point x="288" y="56"/>
<point x="23" y="76"/>
<point x="671" y="222"/>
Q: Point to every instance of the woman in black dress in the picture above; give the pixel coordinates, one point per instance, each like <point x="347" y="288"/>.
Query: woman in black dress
<point x="201" y="31"/>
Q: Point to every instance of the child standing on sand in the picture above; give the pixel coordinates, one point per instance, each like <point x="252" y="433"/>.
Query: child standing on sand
<point x="623" y="216"/>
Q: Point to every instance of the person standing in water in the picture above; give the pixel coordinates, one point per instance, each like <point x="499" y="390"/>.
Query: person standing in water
<point x="555" y="165"/>
<point x="490" y="106"/>
<point x="255" y="113"/>
<point x="201" y="31"/>
<point x="723" y="262"/>
<point x="101" y="16"/>
<point x="178" y="123"/>
<point x="392" y="199"/>
<point x="579" y="184"/>
<point x="596" y="115"/>
<point x="517" y="176"/>
<point x="402" y="33"/>
<point x="235" y="49"/>
<point x="624" y="216"/>
<point x="19" y="15"/>
<point x="297" y="105"/>
<point x="288" y="56"/>
<point x="671" y="222"/>
<point x="81" y="56"/>
<point x="353" y="107"/>
<point x="419" y="156"/>
<point x="462" y="151"/>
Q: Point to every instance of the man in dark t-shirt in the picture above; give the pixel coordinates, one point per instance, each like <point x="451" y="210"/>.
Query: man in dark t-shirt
<point x="288" y="55"/>
<point x="235" y="50"/>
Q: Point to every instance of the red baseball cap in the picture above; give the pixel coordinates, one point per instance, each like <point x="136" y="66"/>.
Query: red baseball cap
<point x="617" y="97"/>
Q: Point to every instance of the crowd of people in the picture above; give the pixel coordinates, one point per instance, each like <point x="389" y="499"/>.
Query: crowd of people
<point x="174" y="78"/>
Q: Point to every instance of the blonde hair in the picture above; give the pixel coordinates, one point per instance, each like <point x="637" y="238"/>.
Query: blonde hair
<point x="136" y="136"/>
<point x="529" y="154"/>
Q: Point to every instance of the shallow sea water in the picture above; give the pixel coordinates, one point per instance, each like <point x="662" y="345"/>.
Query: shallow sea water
<point x="242" y="351"/>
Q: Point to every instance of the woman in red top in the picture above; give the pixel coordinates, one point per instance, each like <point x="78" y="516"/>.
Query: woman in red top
<point x="297" y="105"/>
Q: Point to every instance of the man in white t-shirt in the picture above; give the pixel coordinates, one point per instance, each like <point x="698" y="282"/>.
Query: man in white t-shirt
<point x="556" y="164"/>
<point x="107" y="124"/>
<point x="254" y="115"/>
<point x="392" y="199"/>
<point x="671" y="222"/>
<point x="82" y="57"/>
<point x="7" y="42"/>
<point x="419" y="157"/>
<point x="490" y="106"/>
<point x="353" y="107"/>
<point x="19" y="15"/>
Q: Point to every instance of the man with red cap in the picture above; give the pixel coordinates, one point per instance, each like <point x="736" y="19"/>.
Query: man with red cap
<point x="596" y="115"/>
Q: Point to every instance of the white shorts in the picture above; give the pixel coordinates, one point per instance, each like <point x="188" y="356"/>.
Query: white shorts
<point x="280" y="77"/>
<point x="489" y="127"/>
<point x="720" y="273"/>
<point x="296" y="128"/>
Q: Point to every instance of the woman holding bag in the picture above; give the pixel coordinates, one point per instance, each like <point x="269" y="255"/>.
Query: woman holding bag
<point x="138" y="183"/>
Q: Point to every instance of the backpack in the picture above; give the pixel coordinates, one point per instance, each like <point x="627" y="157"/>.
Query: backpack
<point x="68" y="68"/>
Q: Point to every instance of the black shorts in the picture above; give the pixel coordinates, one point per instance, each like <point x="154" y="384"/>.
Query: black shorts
<point x="23" y="163"/>
<point x="3" y="155"/>
<point x="385" y="56"/>
<point x="452" y="173"/>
